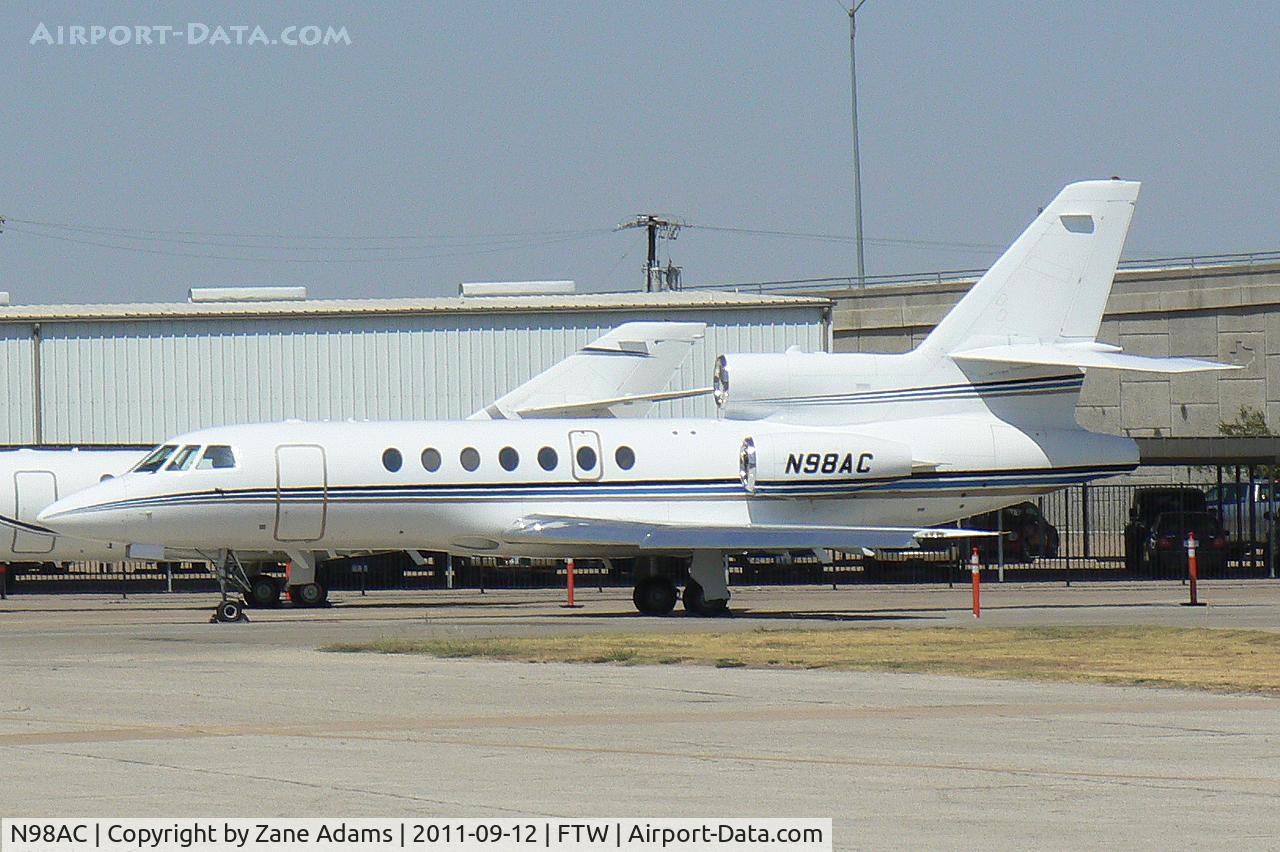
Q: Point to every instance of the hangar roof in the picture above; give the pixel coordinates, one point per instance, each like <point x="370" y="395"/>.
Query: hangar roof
<point x="681" y="300"/>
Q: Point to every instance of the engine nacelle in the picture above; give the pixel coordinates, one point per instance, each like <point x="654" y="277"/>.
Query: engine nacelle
<point x="752" y="386"/>
<point x="812" y="463"/>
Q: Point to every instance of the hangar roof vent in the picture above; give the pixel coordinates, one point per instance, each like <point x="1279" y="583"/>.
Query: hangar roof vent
<point x="247" y="294"/>
<point x="516" y="288"/>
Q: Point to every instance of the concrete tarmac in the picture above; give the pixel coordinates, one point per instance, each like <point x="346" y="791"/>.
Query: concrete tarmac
<point x="142" y="708"/>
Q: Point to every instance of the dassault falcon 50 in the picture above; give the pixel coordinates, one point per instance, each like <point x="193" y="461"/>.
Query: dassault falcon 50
<point x="816" y="450"/>
<point x="591" y="382"/>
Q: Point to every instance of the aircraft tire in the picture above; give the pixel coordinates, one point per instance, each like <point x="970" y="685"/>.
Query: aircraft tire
<point x="264" y="591"/>
<point x="696" y="603"/>
<point x="655" y="596"/>
<point x="229" y="611"/>
<point x="309" y="595"/>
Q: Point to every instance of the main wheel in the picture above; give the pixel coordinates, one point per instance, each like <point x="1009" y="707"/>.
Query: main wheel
<point x="696" y="603"/>
<point x="229" y="611"/>
<point x="264" y="591"/>
<point x="311" y="594"/>
<point x="655" y="596"/>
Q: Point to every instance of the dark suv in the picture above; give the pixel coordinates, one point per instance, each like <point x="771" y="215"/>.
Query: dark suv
<point x="1149" y="504"/>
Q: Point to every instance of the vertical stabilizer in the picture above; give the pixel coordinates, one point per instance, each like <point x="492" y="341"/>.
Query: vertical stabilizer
<point x="1051" y="285"/>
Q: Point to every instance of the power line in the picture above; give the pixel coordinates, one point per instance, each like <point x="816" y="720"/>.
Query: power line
<point x="888" y="241"/>
<point x="107" y="229"/>
<point x="270" y="259"/>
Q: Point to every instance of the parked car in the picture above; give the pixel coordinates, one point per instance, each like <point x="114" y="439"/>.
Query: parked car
<point x="1148" y="504"/>
<point x="1243" y="507"/>
<point x="1166" y="548"/>
<point x="1028" y="535"/>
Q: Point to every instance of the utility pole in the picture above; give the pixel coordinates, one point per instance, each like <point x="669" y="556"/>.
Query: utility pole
<point x="857" y="173"/>
<point x="655" y="277"/>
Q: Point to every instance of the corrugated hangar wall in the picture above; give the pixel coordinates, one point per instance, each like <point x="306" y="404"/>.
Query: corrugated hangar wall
<point x="126" y="380"/>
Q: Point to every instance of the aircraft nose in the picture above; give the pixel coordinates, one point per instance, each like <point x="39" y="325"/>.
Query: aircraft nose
<point x="94" y="513"/>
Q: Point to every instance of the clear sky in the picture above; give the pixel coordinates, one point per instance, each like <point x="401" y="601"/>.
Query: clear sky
<point x="501" y="141"/>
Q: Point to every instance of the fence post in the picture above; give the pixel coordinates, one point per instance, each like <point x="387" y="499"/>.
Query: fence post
<point x="1000" y="545"/>
<point x="4" y="582"/>
<point x="1271" y="525"/>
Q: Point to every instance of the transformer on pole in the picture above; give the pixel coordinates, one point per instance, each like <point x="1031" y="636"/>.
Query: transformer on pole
<point x="656" y="277"/>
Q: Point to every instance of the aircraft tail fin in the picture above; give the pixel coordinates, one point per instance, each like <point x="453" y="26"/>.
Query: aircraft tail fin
<point x="1052" y="284"/>
<point x="621" y="374"/>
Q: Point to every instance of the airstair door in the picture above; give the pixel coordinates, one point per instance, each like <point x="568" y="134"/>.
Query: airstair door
<point x="584" y="446"/>
<point x="302" y="484"/>
<point x="34" y="490"/>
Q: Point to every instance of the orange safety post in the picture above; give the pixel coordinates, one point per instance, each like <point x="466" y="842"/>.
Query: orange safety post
<point x="568" y="564"/>
<point x="1193" y="570"/>
<point x="975" y="568"/>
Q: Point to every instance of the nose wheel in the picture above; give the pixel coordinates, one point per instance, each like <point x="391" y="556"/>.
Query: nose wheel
<point x="228" y="612"/>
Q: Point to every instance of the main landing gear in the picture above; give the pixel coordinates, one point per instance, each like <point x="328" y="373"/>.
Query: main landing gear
<point x="304" y="589"/>
<point x="262" y="591"/>
<point x="706" y="592"/>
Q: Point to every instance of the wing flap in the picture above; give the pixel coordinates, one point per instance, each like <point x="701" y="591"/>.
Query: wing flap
<point x="586" y="532"/>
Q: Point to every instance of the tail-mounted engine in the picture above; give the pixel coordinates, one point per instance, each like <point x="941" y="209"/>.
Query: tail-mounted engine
<point x="819" y="463"/>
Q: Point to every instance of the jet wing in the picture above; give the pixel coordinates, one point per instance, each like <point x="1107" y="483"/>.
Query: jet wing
<point x="1088" y="355"/>
<point x="618" y="375"/>
<point x="585" y="532"/>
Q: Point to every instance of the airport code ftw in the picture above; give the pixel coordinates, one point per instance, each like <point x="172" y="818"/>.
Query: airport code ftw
<point x="292" y="835"/>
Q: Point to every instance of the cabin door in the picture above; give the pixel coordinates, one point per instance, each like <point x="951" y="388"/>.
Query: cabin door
<point x="302" y="490"/>
<point x="34" y="489"/>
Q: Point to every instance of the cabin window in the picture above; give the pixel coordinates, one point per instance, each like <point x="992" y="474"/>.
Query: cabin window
<point x="547" y="458"/>
<point x="470" y="458"/>
<point x="185" y="457"/>
<point x="391" y="459"/>
<point x="586" y="458"/>
<point x="158" y="456"/>
<point x="625" y="457"/>
<point x="508" y="458"/>
<point x="431" y="459"/>
<point x="217" y="456"/>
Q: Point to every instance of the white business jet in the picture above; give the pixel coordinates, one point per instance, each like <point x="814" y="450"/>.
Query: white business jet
<point x="592" y="382"/>
<point x="810" y="450"/>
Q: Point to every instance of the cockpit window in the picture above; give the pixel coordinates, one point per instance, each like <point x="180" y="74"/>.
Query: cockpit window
<point x="158" y="457"/>
<point x="217" y="456"/>
<point x="185" y="457"/>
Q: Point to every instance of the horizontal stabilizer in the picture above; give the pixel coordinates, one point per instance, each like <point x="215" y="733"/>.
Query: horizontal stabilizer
<point x="1086" y="355"/>
<point x="618" y="375"/>
<point x="587" y="532"/>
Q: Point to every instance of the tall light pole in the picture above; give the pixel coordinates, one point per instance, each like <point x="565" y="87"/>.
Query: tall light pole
<point x="857" y="172"/>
